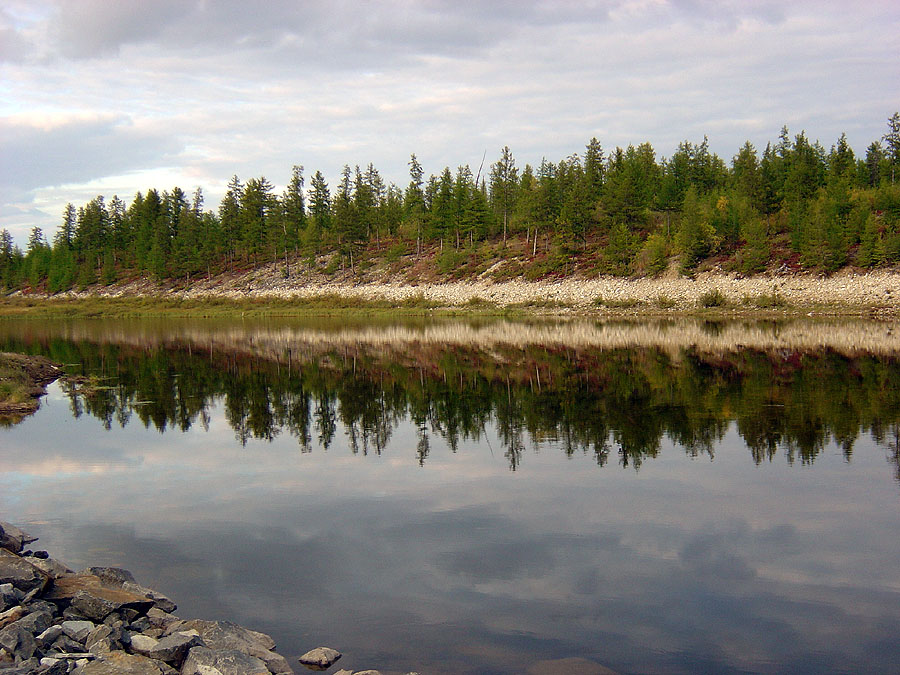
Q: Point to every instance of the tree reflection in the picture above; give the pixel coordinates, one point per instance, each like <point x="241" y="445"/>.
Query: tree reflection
<point x="622" y="403"/>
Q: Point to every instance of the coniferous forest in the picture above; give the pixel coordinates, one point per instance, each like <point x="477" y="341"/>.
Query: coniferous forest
<point x="796" y="206"/>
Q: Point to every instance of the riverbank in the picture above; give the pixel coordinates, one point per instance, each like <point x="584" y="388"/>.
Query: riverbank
<point x="266" y="290"/>
<point x="100" y="621"/>
<point x="23" y="380"/>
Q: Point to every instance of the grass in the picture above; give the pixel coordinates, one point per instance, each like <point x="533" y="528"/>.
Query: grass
<point x="766" y="301"/>
<point x="624" y="303"/>
<point x="713" y="298"/>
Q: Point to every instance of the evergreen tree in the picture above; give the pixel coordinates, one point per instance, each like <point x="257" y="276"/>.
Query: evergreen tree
<point x="892" y="141"/>
<point x="504" y="181"/>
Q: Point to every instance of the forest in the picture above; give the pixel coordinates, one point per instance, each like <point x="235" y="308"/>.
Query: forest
<point x="623" y="212"/>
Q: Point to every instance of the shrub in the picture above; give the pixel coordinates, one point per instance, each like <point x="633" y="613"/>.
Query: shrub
<point x="713" y="298"/>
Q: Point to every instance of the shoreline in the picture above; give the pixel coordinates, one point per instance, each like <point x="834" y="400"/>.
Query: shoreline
<point x="843" y="293"/>
<point x="101" y="621"/>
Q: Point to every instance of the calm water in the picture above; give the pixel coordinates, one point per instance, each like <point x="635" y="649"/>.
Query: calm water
<point x="485" y="497"/>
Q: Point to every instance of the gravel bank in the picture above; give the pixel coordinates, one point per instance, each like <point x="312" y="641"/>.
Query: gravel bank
<point x="846" y="289"/>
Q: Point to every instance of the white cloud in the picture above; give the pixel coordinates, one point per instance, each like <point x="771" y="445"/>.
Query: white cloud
<point x="209" y="89"/>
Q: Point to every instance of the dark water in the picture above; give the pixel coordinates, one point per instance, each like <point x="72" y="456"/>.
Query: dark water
<point x="474" y="498"/>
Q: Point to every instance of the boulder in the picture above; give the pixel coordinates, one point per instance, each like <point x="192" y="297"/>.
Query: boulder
<point x="87" y="594"/>
<point x="78" y="630"/>
<point x="205" y="661"/>
<point x="320" y="657"/>
<point x="49" y="636"/>
<point x="142" y="644"/>
<point x="116" y="577"/>
<point x="13" y="539"/>
<point x="175" y="647"/>
<point x="120" y="663"/>
<point x="16" y="640"/>
<point x="52" y="568"/>
<point x="20" y="573"/>
<point x="12" y="615"/>
<point x="36" y="622"/>
<point x="8" y="596"/>
<point x="224" y="635"/>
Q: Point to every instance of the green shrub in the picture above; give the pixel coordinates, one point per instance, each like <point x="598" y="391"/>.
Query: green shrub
<point x="713" y="298"/>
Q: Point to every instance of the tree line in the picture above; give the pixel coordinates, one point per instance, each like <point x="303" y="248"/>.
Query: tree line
<point x="623" y="212"/>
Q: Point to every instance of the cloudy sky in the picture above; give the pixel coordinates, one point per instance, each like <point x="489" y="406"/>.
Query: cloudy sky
<point x="101" y="97"/>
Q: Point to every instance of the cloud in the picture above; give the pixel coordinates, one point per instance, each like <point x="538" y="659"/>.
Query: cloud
<point x="39" y="153"/>
<point x="210" y="89"/>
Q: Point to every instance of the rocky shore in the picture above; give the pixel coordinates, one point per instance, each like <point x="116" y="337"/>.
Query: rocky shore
<point x="23" y="380"/>
<point x="845" y="290"/>
<point x="100" y="621"/>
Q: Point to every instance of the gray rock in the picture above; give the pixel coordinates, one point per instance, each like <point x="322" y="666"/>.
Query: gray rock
<point x="121" y="663"/>
<point x="160" y="619"/>
<point x="78" y="630"/>
<point x="8" y="596"/>
<point x="205" y="661"/>
<point x="114" y="576"/>
<point x="49" y="636"/>
<point x="11" y="615"/>
<point x="142" y="644"/>
<point x="366" y="672"/>
<point x="54" y="666"/>
<point x="174" y="648"/>
<point x="102" y="639"/>
<point x="36" y="622"/>
<point x="18" y="641"/>
<point x="140" y="625"/>
<point x="224" y="635"/>
<point x="20" y="573"/>
<point x="87" y="594"/>
<point x="64" y="644"/>
<point x="53" y="568"/>
<point x="320" y="657"/>
<point x="159" y="600"/>
<point x="12" y="538"/>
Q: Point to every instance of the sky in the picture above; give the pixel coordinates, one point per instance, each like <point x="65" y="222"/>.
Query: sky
<point x="101" y="98"/>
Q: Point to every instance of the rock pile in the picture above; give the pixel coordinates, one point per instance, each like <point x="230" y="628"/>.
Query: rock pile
<point x="100" y="621"/>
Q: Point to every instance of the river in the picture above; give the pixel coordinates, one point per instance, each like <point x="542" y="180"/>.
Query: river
<point x="488" y="496"/>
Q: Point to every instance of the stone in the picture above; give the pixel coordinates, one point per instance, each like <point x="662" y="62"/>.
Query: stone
<point x="120" y="663"/>
<point x="223" y="635"/>
<point x="205" y="661"/>
<point x="160" y="619"/>
<point x="140" y="625"/>
<point x="78" y="630"/>
<point x="320" y="657"/>
<point x="65" y="645"/>
<point x="142" y="644"/>
<point x="49" y="636"/>
<point x="51" y="666"/>
<point x="174" y="648"/>
<point x="87" y="595"/>
<point x="21" y="573"/>
<point x="52" y="568"/>
<point x="13" y="539"/>
<point x="12" y="615"/>
<point x="8" y="596"/>
<point x="366" y="672"/>
<point x="116" y="577"/>
<point x="18" y="641"/>
<point x="36" y="622"/>
<point x="159" y="600"/>
<point x="102" y="639"/>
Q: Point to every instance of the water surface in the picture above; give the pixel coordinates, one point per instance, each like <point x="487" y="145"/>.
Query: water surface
<point x="486" y="497"/>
